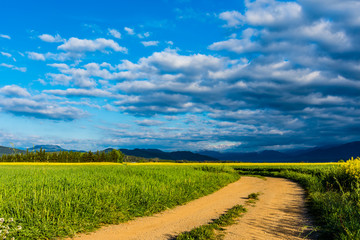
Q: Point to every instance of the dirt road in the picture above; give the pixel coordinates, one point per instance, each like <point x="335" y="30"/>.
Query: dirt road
<point x="279" y="214"/>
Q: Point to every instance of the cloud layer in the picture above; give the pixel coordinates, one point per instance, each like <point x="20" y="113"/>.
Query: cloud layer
<point x="286" y="74"/>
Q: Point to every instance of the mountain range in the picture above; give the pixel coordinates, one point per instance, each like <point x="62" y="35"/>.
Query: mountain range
<point x="332" y="153"/>
<point x="51" y="148"/>
<point x="156" y="153"/>
<point x="318" y="154"/>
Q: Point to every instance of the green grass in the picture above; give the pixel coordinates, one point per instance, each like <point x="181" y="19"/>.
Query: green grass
<point x="213" y="230"/>
<point x="254" y="196"/>
<point x="57" y="201"/>
<point x="333" y="196"/>
<point x="51" y="201"/>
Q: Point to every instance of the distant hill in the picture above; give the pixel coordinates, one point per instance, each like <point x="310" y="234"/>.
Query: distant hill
<point x="332" y="153"/>
<point x="264" y="156"/>
<point x="51" y="148"/>
<point x="9" y="150"/>
<point x="178" y="155"/>
<point x="144" y="153"/>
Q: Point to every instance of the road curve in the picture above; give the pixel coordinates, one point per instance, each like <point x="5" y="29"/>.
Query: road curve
<point x="279" y="214"/>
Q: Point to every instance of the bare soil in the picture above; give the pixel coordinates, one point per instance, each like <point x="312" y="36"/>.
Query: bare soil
<point x="279" y="214"/>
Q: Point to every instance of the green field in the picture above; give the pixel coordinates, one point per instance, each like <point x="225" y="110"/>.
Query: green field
<point x="59" y="200"/>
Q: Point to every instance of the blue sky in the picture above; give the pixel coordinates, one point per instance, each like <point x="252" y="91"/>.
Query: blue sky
<point x="179" y="75"/>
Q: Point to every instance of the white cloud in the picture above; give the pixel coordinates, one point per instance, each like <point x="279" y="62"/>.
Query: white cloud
<point x="39" y="109"/>
<point x="149" y="122"/>
<point x="59" y="79"/>
<point x="130" y="31"/>
<point x="323" y="32"/>
<point x="270" y="13"/>
<point x="64" y="56"/>
<point x="85" y="45"/>
<point x="41" y="81"/>
<point x="59" y="65"/>
<point x="235" y="45"/>
<point x="5" y="36"/>
<point x="144" y="35"/>
<point x="75" y="92"/>
<point x="233" y="18"/>
<point x="78" y="76"/>
<point x="110" y="108"/>
<point x="115" y="33"/>
<point x="82" y="103"/>
<point x="170" y="60"/>
<point x="21" y="69"/>
<point x="264" y="13"/>
<point x="18" y="101"/>
<point x="150" y="43"/>
<point x="14" y="91"/>
<point x="50" y="38"/>
<point x="36" y="56"/>
<point x="6" y="54"/>
<point x="221" y="146"/>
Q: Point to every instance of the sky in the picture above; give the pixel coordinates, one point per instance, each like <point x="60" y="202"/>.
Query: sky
<point x="179" y="74"/>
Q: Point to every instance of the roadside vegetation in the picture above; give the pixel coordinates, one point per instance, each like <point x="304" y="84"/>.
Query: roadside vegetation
<point x="215" y="229"/>
<point x="333" y="193"/>
<point x="50" y="201"/>
<point x="64" y="156"/>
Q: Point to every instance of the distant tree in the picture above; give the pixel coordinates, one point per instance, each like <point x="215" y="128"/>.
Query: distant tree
<point x="116" y="156"/>
<point x="102" y="157"/>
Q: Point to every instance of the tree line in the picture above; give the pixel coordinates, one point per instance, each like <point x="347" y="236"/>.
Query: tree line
<point x="64" y="156"/>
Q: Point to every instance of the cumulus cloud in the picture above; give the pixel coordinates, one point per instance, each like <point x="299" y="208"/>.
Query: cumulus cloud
<point x="286" y="75"/>
<point x="115" y="33"/>
<point x="233" y="18"/>
<point x="221" y="145"/>
<point x="143" y="35"/>
<point x="50" y="38"/>
<point x="149" y="122"/>
<point x="18" y="101"/>
<point x="264" y="13"/>
<point x="14" y="91"/>
<point x="171" y="61"/>
<point x="235" y="45"/>
<point x="6" y="54"/>
<point x="5" y="36"/>
<point x="293" y="47"/>
<point x="32" y="108"/>
<point x="85" y="45"/>
<point x="150" y="43"/>
<point x="272" y="13"/>
<point x="36" y="56"/>
<point x="81" y="77"/>
<point x="75" y="92"/>
<point x="292" y="75"/>
<point x="129" y="31"/>
<point x="59" y="79"/>
<point x="21" y="69"/>
<point x="322" y="31"/>
<point x="271" y="25"/>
